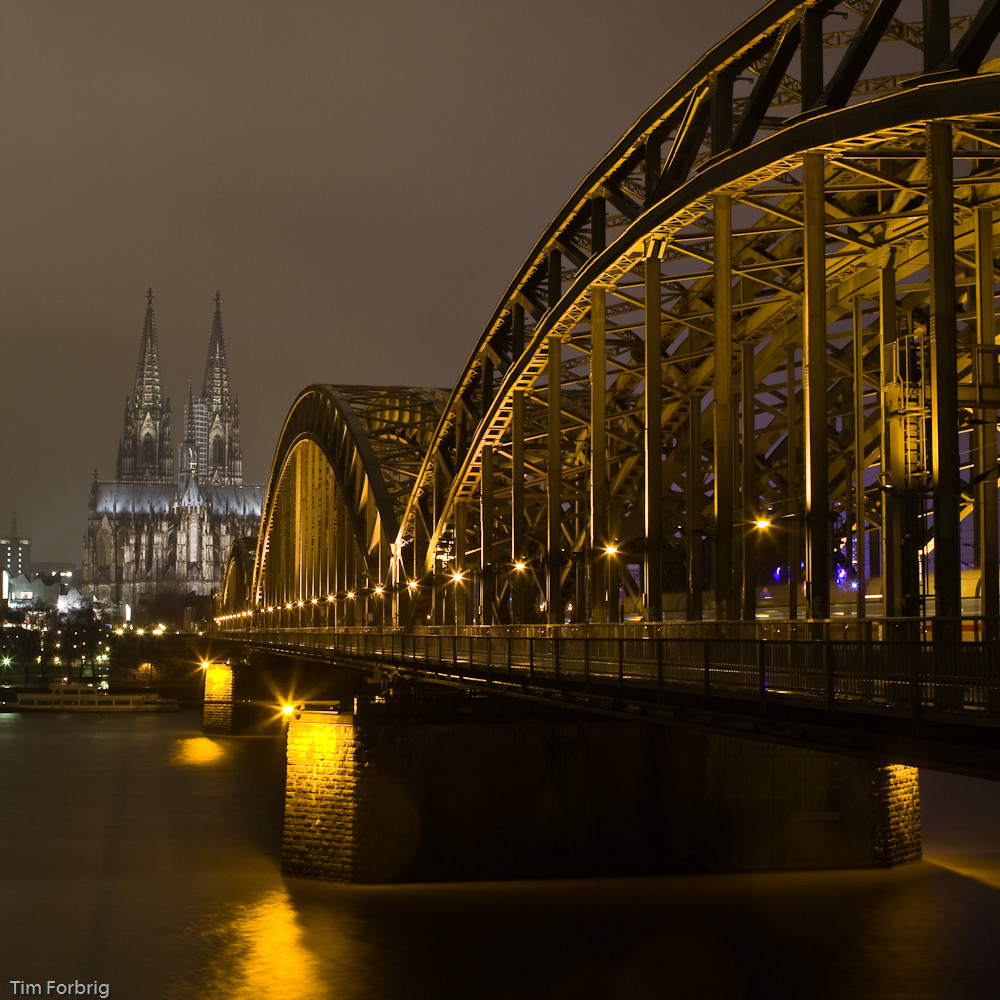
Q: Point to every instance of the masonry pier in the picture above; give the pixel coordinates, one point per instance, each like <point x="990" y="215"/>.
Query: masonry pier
<point x="388" y="796"/>
<point x="217" y="714"/>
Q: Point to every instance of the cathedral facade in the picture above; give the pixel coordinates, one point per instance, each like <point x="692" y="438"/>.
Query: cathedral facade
<point x="159" y="533"/>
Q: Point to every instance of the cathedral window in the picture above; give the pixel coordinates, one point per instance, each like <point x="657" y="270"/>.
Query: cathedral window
<point x="103" y="547"/>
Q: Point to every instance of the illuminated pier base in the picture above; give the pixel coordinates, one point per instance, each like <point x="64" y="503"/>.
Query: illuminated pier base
<point x="217" y="713"/>
<point x="378" y="799"/>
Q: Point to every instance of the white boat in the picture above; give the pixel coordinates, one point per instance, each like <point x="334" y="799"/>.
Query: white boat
<point x="83" y="698"/>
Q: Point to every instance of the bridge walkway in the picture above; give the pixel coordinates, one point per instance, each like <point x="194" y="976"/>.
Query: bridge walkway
<point x="924" y="703"/>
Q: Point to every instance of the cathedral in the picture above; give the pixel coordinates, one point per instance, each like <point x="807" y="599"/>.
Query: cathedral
<point x="159" y="533"/>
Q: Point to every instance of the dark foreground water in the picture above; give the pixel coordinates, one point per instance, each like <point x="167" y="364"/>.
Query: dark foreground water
<point x="140" y="854"/>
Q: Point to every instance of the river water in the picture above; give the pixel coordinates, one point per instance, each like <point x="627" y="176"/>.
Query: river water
<point x="141" y="856"/>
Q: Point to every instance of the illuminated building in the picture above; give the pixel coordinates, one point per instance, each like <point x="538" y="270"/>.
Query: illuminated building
<point x="161" y="528"/>
<point x="15" y="552"/>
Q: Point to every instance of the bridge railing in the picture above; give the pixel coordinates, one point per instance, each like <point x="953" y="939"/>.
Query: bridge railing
<point x="890" y="675"/>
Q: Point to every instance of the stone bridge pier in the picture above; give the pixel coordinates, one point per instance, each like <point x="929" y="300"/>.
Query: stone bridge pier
<point x="434" y="792"/>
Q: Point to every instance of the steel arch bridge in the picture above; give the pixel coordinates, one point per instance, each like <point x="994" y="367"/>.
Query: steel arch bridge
<point x="750" y="369"/>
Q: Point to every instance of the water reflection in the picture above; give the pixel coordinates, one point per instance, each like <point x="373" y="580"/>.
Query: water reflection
<point x="257" y="951"/>
<point x="197" y="750"/>
<point x="141" y="853"/>
<point x="983" y="870"/>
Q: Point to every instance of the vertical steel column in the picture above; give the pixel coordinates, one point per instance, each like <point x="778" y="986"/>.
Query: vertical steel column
<point x="723" y="409"/>
<point x="986" y="428"/>
<point x="814" y="393"/>
<point x="555" y="277"/>
<point x="653" y="577"/>
<point x="859" y="457"/>
<point x="330" y="502"/>
<point x="695" y="498"/>
<point x="339" y="612"/>
<point x="316" y="516"/>
<point x="944" y="381"/>
<point x="811" y="56"/>
<point x="751" y="499"/>
<point x="553" y="589"/>
<point x="892" y="556"/>
<point x="486" y="593"/>
<point x="519" y="581"/>
<point x="597" y="564"/>
<point x="598" y="237"/>
<point x="651" y="168"/>
<point x="458" y="560"/>
<point x="794" y="486"/>
<point x="721" y="110"/>
<point x="554" y="483"/>
<point x="487" y="570"/>
<point x="350" y="567"/>
<point x="937" y="33"/>
<point x="299" y="527"/>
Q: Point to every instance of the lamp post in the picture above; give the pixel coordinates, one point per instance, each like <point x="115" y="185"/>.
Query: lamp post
<point x="457" y="577"/>
<point x="379" y="593"/>
<point x="611" y="575"/>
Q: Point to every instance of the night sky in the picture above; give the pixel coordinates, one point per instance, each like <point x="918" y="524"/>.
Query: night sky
<point x="360" y="181"/>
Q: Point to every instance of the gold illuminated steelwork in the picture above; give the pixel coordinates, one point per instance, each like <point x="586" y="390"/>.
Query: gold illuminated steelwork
<point x="775" y="292"/>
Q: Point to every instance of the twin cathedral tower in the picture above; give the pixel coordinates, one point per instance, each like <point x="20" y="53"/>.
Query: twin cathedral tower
<point x="162" y="529"/>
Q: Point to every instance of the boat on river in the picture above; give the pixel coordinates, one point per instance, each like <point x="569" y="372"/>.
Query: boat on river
<point x="83" y="698"/>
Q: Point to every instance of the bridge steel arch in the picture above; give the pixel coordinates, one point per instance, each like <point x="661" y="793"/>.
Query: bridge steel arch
<point x="754" y="356"/>
<point x="237" y="579"/>
<point x="756" y="347"/>
<point x="343" y="467"/>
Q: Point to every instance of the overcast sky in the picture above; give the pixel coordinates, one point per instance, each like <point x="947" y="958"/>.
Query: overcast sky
<point x="359" y="180"/>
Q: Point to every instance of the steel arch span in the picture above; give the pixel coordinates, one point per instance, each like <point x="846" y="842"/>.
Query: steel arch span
<point x="342" y="471"/>
<point x="753" y="358"/>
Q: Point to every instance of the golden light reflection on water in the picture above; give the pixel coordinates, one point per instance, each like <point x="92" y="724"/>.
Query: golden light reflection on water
<point x="259" y="954"/>
<point x="195" y="750"/>
<point x="985" y="870"/>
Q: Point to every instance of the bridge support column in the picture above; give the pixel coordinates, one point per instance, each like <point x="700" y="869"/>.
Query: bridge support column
<point x="947" y="488"/>
<point x="653" y="404"/>
<point x="553" y="577"/>
<point x="217" y="713"/>
<point x="383" y="797"/>
<point x="597" y="568"/>
<point x="814" y="393"/>
<point x="724" y="486"/>
<point x="986" y="428"/>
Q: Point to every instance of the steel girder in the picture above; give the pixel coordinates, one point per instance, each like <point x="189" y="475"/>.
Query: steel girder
<point x="343" y="467"/>
<point x="765" y="201"/>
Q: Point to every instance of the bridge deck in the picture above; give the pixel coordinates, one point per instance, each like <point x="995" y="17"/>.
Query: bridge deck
<point x="925" y="703"/>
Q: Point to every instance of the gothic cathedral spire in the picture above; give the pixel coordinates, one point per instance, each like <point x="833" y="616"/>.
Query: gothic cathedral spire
<point x="145" y="453"/>
<point x="215" y="388"/>
<point x="213" y="417"/>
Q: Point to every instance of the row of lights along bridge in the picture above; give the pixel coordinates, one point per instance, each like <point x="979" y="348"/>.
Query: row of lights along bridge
<point x="456" y="577"/>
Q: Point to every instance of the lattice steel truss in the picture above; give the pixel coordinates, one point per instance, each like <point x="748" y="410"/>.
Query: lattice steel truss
<point x="344" y="466"/>
<point x="772" y="302"/>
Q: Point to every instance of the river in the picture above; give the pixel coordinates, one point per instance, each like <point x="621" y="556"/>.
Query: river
<point x="140" y="860"/>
